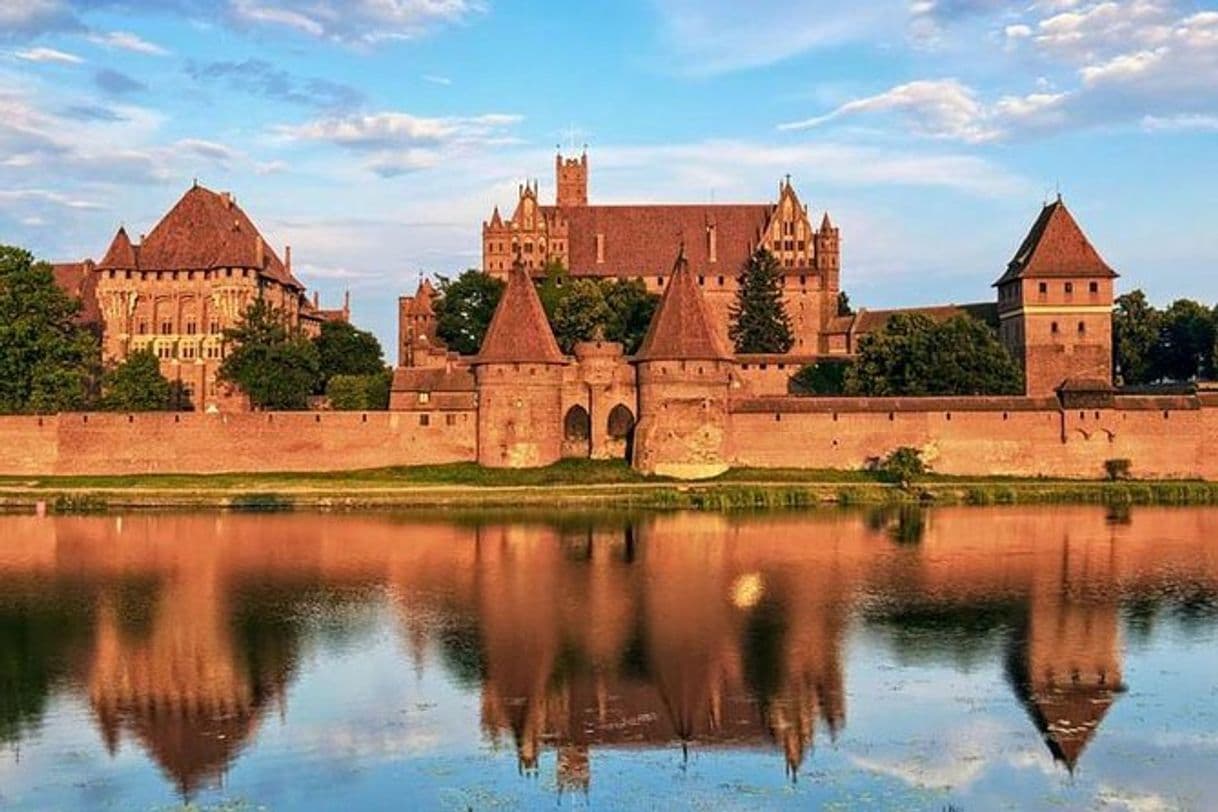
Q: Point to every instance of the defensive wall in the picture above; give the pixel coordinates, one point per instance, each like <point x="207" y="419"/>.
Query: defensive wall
<point x="1163" y="437"/>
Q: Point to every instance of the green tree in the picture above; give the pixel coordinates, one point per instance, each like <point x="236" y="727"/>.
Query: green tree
<point x="359" y="393"/>
<point x="821" y="378"/>
<point x="553" y="287"/>
<point x="579" y="313"/>
<point x="843" y="304"/>
<point x="137" y="385"/>
<point x="1185" y="349"/>
<point x="912" y="355"/>
<point x="759" y="320"/>
<point x="632" y="308"/>
<point x="48" y="362"/>
<point x="1135" y="338"/>
<point x="276" y="366"/>
<point x="344" y="349"/>
<point x="464" y="309"/>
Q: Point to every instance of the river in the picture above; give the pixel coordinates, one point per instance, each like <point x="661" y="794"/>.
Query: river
<point x="967" y="658"/>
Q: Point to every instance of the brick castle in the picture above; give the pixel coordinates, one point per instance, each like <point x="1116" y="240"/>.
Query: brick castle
<point x="684" y="405"/>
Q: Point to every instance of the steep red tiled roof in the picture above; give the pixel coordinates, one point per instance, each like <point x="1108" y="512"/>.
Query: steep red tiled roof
<point x="869" y="321"/>
<point x="433" y="379"/>
<point x="421" y="302"/>
<point x="205" y="230"/>
<point x="121" y="255"/>
<point x="634" y="236"/>
<point x="79" y="280"/>
<point x="681" y="329"/>
<point x="1056" y="247"/>
<point x="519" y="332"/>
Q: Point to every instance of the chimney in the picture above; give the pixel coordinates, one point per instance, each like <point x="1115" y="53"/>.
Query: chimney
<point x="227" y="197"/>
<point x="347" y="305"/>
<point x="287" y="257"/>
<point x="316" y="300"/>
<point x="259" y="252"/>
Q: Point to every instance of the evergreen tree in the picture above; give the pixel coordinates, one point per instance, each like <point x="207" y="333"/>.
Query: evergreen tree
<point x="48" y="362"/>
<point x="344" y="349"/>
<point x="843" y="304"/>
<point x="760" y="323"/>
<point x="137" y="385"/>
<point x="277" y="367"/>
<point x="464" y="309"/>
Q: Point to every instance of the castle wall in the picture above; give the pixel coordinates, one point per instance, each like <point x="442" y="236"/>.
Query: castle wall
<point x="977" y="436"/>
<point x="194" y="443"/>
<point x="520" y="415"/>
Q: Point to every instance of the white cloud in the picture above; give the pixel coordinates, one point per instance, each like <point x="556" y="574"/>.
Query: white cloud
<point x="357" y="21"/>
<point x="436" y="79"/>
<point x="48" y="55"/>
<point x="126" y="41"/>
<point x="45" y="196"/>
<point x="1183" y="123"/>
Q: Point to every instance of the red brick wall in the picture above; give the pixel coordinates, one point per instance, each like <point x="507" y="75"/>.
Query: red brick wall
<point x="247" y="442"/>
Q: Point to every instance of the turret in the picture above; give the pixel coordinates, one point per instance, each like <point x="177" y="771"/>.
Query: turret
<point x="519" y="371"/>
<point x="684" y="373"/>
<point x="571" y="179"/>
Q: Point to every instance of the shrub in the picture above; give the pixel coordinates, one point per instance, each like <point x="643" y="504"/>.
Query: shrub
<point x="1117" y="469"/>
<point x="821" y="378"/>
<point x="902" y="465"/>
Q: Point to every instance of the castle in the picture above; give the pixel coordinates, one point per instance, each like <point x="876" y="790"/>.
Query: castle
<point x="677" y="406"/>
<point x="178" y="289"/>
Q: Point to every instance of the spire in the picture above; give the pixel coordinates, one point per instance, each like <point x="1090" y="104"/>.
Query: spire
<point x="681" y="329"/>
<point x="121" y="254"/>
<point x="496" y="219"/>
<point x="826" y="224"/>
<point x="519" y="331"/>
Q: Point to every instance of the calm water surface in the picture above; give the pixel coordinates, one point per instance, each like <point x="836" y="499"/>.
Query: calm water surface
<point x="963" y="658"/>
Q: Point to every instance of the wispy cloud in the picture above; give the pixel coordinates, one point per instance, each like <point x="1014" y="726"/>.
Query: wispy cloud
<point x="48" y="55"/>
<point x="437" y="80"/>
<point x="365" y="22"/>
<point x="260" y="78"/>
<point x="126" y="41"/>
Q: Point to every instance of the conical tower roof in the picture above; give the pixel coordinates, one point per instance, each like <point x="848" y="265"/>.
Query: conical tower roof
<point x="519" y="332"/>
<point x="681" y="329"/>
<point x="121" y="254"/>
<point x="1056" y="247"/>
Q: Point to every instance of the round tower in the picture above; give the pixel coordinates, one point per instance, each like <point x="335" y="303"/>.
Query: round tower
<point x="519" y="374"/>
<point x="684" y="375"/>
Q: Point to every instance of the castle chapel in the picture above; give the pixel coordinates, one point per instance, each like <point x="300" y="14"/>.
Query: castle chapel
<point x="182" y="285"/>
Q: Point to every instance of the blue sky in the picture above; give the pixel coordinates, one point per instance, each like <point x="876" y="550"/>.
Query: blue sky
<point x="374" y="136"/>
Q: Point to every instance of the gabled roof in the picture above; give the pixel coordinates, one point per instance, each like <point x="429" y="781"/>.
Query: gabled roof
<point x="421" y="304"/>
<point x="121" y="254"/>
<point x="79" y="280"/>
<point x="203" y="230"/>
<point x="519" y="332"/>
<point x="634" y="236"/>
<point x="681" y="329"/>
<point x="1056" y="247"/>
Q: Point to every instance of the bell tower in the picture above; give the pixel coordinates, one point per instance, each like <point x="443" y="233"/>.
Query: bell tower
<point x="571" y="175"/>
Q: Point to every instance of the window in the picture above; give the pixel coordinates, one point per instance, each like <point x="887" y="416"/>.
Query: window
<point x="191" y="328"/>
<point x="803" y="279"/>
<point x="660" y="281"/>
<point x="424" y="420"/>
<point x="1053" y="328"/>
<point x="424" y="397"/>
<point x="215" y="327"/>
<point x="701" y="281"/>
<point x="721" y="281"/>
<point x="1082" y="328"/>
<point x="450" y="420"/>
<point x="1069" y="287"/>
<point x="1044" y="287"/>
<point x="166" y="328"/>
<point x="143" y="328"/>
<point x="1094" y="287"/>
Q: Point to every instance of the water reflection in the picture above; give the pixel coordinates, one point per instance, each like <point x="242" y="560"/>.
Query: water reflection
<point x="184" y="634"/>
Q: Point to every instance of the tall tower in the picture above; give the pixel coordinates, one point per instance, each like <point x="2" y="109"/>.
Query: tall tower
<point x="1055" y="305"/>
<point x="684" y="374"/>
<point x="519" y="372"/>
<point x="571" y="176"/>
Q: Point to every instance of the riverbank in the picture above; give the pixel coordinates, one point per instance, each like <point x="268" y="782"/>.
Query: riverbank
<point x="571" y="484"/>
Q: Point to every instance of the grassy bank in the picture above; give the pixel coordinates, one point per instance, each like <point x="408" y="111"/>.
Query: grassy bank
<point x="582" y="484"/>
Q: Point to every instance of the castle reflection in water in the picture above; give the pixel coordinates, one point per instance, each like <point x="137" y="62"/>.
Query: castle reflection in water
<point x="680" y="630"/>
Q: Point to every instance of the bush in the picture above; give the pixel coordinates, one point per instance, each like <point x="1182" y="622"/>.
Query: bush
<point x="359" y="393"/>
<point x="902" y="465"/>
<point x="1117" y="469"/>
<point x="821" y="378"/>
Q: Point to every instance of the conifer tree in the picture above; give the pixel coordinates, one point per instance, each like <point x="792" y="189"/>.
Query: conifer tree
<point x="760" y="323"/>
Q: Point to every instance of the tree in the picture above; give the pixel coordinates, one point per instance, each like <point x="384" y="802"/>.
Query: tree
<point x="553" y="286"/>
<point x="632" y="309"/>
<point x="843" y="304"/>
<point x="1186" y="342"/>
<point x="345" y="350"/>
<point x="358" y="393"/>
<point x="1135" y="338"/>
<point x="48" y="362"/>
<point x="464" y="309"/>
<point x="759" y="321"/>
<point x="579" y="313"/>
<point x="277" y="367"/>
<point x="912" y="355"/>
<point x="137" y="385"/>
<point x="821" y="378"/>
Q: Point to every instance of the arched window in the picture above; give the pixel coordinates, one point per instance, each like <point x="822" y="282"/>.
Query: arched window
<point x="577" y="425"/>
<point x="621" y="422"/>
